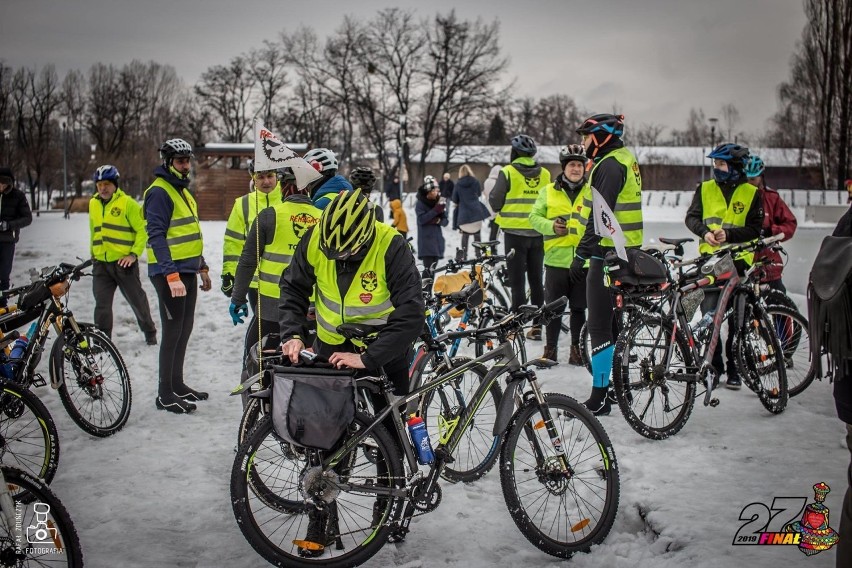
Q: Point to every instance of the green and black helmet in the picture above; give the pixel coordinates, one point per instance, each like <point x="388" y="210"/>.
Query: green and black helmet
<point x="346" y="225"/>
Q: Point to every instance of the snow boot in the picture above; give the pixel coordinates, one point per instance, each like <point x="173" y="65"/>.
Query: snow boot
<point x="550" y="353"/>
<point x="174" y="403"/>
<point x="534" y="333"/>
<point x="575" y="357"/>
<point x="599" y="403"/>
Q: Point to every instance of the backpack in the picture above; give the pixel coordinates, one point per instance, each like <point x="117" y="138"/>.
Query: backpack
<point x="830" y="305"/>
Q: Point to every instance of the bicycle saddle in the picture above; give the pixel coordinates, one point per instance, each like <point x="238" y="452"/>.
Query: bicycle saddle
<point x="674" y="242"/>
<point x="485" y="244"/>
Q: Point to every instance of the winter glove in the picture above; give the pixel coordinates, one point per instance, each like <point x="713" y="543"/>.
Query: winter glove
<point x="238" y="312"/>
<point x="439" y="208"/>
<point x="4" y="225"/>
<point x="577" y="273"/>
<point x="227" y="284"/>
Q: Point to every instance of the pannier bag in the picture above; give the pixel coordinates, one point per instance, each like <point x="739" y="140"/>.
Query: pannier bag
<point x="312" y="407"/>
<point x="640" y="269"/>
<point x="449" y="283"/>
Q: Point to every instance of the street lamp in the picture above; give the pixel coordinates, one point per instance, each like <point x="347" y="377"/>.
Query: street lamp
<point x="65" y="208"/>
<point x="402" y="119"/>
<point x="712" y="121"/>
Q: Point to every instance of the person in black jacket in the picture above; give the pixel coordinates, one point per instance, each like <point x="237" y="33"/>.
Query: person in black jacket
<point x="725" y="209"/>
<point x="14" y="215"/>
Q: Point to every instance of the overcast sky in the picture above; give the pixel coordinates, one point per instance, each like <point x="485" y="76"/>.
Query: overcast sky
<point x="654" y="59"/>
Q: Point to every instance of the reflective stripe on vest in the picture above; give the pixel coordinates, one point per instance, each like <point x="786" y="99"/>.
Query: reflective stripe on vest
<point x="520" y="197"/>
<point x="292" y="221"/>
<point x="368" y="299"/>
<point x="184" y="234"/>
<point x="721" y="215"/>
<point x="112" y="235"/>
<point x="240" y="220"/>
<point x="628" y="206"/>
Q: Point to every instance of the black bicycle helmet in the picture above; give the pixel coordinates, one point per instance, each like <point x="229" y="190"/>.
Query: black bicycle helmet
<point x="524" y="145"/>
<point x="363" y="178"/>
<point x="606" y="122"/>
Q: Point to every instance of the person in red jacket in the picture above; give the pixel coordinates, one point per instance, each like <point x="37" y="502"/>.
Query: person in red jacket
<point x="777" y="218"/>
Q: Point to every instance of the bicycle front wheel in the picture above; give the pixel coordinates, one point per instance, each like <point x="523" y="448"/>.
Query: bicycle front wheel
<point x="353" y="524"/>
<point x="791" y="328"/>
<point x="49" y="536"/>
<point x="442" y="407"/>
<point x="654" y="397"/>
<point x="94" y="384"/>
<point x="559" y="510"/>
<point x="28" y="436"/>
<point x="760" y="361"/>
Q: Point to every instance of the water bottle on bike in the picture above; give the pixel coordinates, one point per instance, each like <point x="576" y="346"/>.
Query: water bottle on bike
<point x="420" y="438"/>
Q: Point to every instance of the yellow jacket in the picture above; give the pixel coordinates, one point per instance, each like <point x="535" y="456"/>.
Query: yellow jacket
<point x="400" y="221"/>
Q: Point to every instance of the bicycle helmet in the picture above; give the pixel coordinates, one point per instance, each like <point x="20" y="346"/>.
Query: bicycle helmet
<point x="734" y="154"/>
<point x="572" y="152"/>
<point x="363" y="177"/>
<point x="610" y="123"/>
<point x="322" y="160"/>
<point x="252" y="171"/>
<point x="754" y="167"/>
<point x="174" y="147"/>
<point x="524" y="145"/>
<point x="107" y="173"/>
<point x="346" y="225"/>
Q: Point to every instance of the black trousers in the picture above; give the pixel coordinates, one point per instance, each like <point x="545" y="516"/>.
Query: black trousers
<point x="558" y="284"/>
<point x="526" y="265"/>
<point x="477" y="237"/>
<point x="177" y="316"/>
<point x="7" y="254"/>
<point x="428" y="261"/>
<point x="106" y="277"/>
<point x="492" y="232"/>
<point x="601" y="324"/>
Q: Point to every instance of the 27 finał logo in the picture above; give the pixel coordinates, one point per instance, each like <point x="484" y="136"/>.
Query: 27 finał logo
<point x="790" y="521"/>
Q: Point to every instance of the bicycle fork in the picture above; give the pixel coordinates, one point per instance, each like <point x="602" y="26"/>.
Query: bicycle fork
<point x="546" y="422"/>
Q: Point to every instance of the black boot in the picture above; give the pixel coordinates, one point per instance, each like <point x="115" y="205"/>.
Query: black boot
<point x="599" y="403"/>
<point x="322" y="532"/>
<point x="174" y="403"/>
<point x="187" y="393"/>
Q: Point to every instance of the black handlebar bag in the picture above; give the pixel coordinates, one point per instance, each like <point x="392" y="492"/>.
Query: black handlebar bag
<point x="312" y="407"/>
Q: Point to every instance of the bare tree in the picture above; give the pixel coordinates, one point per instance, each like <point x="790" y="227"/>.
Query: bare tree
<point x="646" y="134"/>
<point x="556" y="118"/>
<point x="730" y="121"/>
<point x="227" y="90"/>
<point x="7" y="117"/>
<point x="696" y="132"/>
<point x="268" y="65"/>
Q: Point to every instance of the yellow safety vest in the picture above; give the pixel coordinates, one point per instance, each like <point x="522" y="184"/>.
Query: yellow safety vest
<point x="117" y="228"/>
<point x="721" y="215"/>
<point x="368" y="299"/>
<point x="292" y="221"/>
<point x="184" y="234"/>
<point x="240" y="220"/>
<point x="628" y="206"/>
<point x="520" y="197"/>
<point x="560" y="249"/>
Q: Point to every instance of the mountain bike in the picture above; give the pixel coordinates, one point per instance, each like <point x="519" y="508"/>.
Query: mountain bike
<point x="558" y="472"/>
<point x="85" y="366"/>
<point x="659" y="361"/>
<point x="28" y="436"/>
<point x="35" y="528"/>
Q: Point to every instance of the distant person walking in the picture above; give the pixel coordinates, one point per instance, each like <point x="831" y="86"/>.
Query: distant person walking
<point x="431" y="210"/>
<point x="175" y="262"/>
<point x="15" y="214"/>
<point x="468" y="210"/>
<point x="118" y="238"/>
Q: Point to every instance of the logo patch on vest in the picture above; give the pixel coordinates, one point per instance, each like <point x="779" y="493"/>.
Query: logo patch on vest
<point x="366" y="297"/>
<point x="115" y="212"/>
<point x="533" y="182"/>
<point x="739" y="207"/>
<point x="636" y="173"/>
<point x="301" y="223"/>
<point x="369" y="282"/>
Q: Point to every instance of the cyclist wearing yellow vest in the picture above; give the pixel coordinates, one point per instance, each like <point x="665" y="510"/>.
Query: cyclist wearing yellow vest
<point x="272" y="239"/>
<point x="364" y="272"/>
<point x="615" y="176"/>
<point x="175" y="261"/>
<point x="267" y="193"/>
<point x="726" y="209"/>
<point x="117" y="240"/>
<point x="560" y="214"/>
<point x="512" y="198"/>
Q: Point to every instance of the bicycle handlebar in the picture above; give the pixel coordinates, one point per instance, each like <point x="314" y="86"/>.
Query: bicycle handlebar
<point x="546" y="312"/>
<point x="454" y="265"/>
<point x="733" y="248"/>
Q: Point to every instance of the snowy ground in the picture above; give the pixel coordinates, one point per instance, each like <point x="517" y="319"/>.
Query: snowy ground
<point x="156" y="494"/>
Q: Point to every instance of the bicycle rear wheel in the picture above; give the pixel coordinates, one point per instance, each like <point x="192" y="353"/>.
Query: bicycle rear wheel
<point x="791" y="328"/>
<point x="50" y="536"/>
<point x="652" y="398"/>
<point x="760" y="361"/>
<point x="94" y="384"/>
<point x="28" y="436"/>
<point x="560" y="512"/>
<point x="356" y="523"/>
<point x="478" y="447"/>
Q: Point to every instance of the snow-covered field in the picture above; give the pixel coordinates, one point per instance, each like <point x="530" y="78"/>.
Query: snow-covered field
<point x="156" y="494"/>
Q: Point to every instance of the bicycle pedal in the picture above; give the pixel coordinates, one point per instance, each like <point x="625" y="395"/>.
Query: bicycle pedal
<point x="714" y="402"/>
<point x="38" y="381"/>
